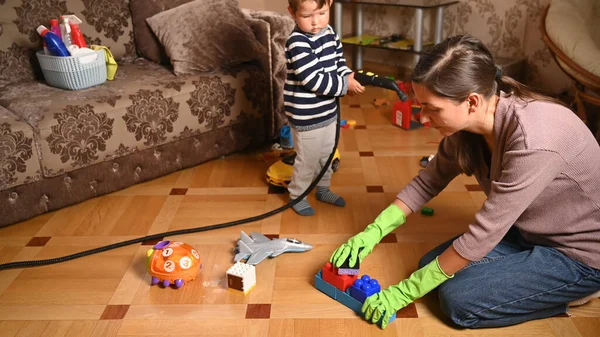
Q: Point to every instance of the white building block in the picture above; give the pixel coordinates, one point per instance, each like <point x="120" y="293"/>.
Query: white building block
<point x="241" y="277"/>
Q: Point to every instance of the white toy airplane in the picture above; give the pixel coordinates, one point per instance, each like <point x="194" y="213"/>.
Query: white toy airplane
<point x="258" y="247"/>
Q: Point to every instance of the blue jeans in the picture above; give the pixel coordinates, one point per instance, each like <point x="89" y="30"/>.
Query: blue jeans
<point x="514" y="283"/>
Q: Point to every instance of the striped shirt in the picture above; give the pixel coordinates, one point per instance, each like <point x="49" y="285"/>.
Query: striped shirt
<point x="316" y="74"/>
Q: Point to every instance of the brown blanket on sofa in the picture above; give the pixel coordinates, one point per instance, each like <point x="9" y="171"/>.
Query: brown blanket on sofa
<point x="281" y="27"/>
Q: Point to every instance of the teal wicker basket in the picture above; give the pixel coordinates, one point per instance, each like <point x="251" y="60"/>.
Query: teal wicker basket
<point x="71" y="73"/>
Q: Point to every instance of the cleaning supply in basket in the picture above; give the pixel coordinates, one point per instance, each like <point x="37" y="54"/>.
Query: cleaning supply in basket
<point x="77" y="35"/>
<point x="54" y="28"/>
<point x="65" y="31"/>
<point x="85" y="55"/>
<point x="111" y="64"/>
<point x="54" y="44"/>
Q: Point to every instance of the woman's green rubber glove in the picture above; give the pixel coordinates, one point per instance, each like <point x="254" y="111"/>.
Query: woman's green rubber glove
<point x="385" y="223"/>
<point x="386" y="302"/>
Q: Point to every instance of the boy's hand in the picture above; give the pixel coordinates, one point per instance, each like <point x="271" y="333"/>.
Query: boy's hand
<point x="353" y="86"/>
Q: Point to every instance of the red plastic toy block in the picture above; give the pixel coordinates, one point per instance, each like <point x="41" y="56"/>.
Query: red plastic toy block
<point x="407" y="114"/>
<point x="342" y="282"/>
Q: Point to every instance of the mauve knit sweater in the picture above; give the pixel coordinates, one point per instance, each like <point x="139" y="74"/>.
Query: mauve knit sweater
<point x="544" y="179"/>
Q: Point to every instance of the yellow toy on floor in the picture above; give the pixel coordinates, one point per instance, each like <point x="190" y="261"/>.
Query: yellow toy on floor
<point x="280" y="173"/>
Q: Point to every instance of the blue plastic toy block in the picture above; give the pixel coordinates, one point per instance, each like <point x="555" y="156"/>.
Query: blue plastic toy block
<point x="364" y="287"/>
<point x="343" y="297"/>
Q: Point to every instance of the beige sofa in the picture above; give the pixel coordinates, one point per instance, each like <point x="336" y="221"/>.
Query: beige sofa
<point x="60" y="147"/>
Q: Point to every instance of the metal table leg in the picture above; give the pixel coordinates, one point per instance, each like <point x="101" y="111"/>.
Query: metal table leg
<point x="439" y="25"/>
<point x="338" y="9"/>
<point x="358" y="59"/>
<point x="418" y="46"/>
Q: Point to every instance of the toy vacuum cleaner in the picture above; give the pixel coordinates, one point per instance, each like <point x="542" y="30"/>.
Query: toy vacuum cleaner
<point x="371" y="79"/>
<point x="406" y="112"/>
<point x="280" y="173"/>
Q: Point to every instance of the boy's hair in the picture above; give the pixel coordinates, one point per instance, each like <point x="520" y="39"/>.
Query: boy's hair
<point x="294" y="4"/>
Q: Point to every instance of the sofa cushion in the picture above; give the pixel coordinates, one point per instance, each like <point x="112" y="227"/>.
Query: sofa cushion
<point x="105" y="22"/>
<point x="19" y="162"/>
<point x="574" y="27"/>
<point x="279" y="27"/>
<point x="195" y="42"/>
<point x="145" y="106"/>
<point x="146" y="42"/>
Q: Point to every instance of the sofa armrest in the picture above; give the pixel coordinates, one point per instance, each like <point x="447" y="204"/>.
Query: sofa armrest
<point x="279" y="28"/>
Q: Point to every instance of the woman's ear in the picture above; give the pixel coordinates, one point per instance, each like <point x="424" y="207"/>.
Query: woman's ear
<point x="473" y="102"/>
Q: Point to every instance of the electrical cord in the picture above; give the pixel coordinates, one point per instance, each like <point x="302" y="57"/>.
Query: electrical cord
<point x="364" y="79"/>
<point x="37" y="263"/>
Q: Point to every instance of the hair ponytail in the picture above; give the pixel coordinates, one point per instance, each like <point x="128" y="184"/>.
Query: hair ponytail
<point x="511" y="86"/>
<point x="461" y="65"/>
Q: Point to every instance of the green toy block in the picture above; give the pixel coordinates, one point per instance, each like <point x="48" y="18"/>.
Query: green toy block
<point x="427" y="211"/>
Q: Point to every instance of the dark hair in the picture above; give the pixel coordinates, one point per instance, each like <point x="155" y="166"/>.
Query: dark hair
<point x="294" y="4"/>
<point x="461" y="65"/>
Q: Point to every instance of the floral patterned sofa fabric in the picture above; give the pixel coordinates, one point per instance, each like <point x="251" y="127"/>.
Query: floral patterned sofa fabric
<point x="19" y="162"/>
<point x="60" y="147"/>
<point x="105" y="22"/>
<point x="144" y="107"/>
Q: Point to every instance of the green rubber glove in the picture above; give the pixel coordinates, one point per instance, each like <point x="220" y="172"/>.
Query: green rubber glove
<point x="388" y="301"/>
<point x="385" y="223"/>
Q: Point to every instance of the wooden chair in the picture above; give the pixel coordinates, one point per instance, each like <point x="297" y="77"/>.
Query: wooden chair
<point x="586" y="83"/>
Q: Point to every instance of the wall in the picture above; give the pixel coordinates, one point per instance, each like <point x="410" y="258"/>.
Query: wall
<point x="510" y="28"/>
<point x="278" y="6"/>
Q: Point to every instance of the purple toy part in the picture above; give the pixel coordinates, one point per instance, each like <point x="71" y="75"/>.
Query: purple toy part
<point x="348" y="271"/>
<point x="162" y="244"/>
<point x="166" y="283"/>
<point x="155" y="280"/>
<point x="179" y="283"/>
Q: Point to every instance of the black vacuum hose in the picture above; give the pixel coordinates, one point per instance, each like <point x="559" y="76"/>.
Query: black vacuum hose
<point x="37" y="263"/>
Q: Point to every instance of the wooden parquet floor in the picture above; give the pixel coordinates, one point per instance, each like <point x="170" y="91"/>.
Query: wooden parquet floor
<point x="109" y="294"/>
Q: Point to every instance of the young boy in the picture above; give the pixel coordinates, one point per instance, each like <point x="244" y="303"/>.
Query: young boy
<point x="317" y="74"/>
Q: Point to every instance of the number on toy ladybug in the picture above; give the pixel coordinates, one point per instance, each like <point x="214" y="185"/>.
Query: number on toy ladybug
<point x="173" y="263"/>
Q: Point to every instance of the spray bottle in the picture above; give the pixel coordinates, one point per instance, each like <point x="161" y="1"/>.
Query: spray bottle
<point x="65" y="31"/>
<point x="76" y="34"/>
<point x="54" y="44"/>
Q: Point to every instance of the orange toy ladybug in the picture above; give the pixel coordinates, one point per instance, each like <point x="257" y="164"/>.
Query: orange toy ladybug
<point x="173" y="263"/>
